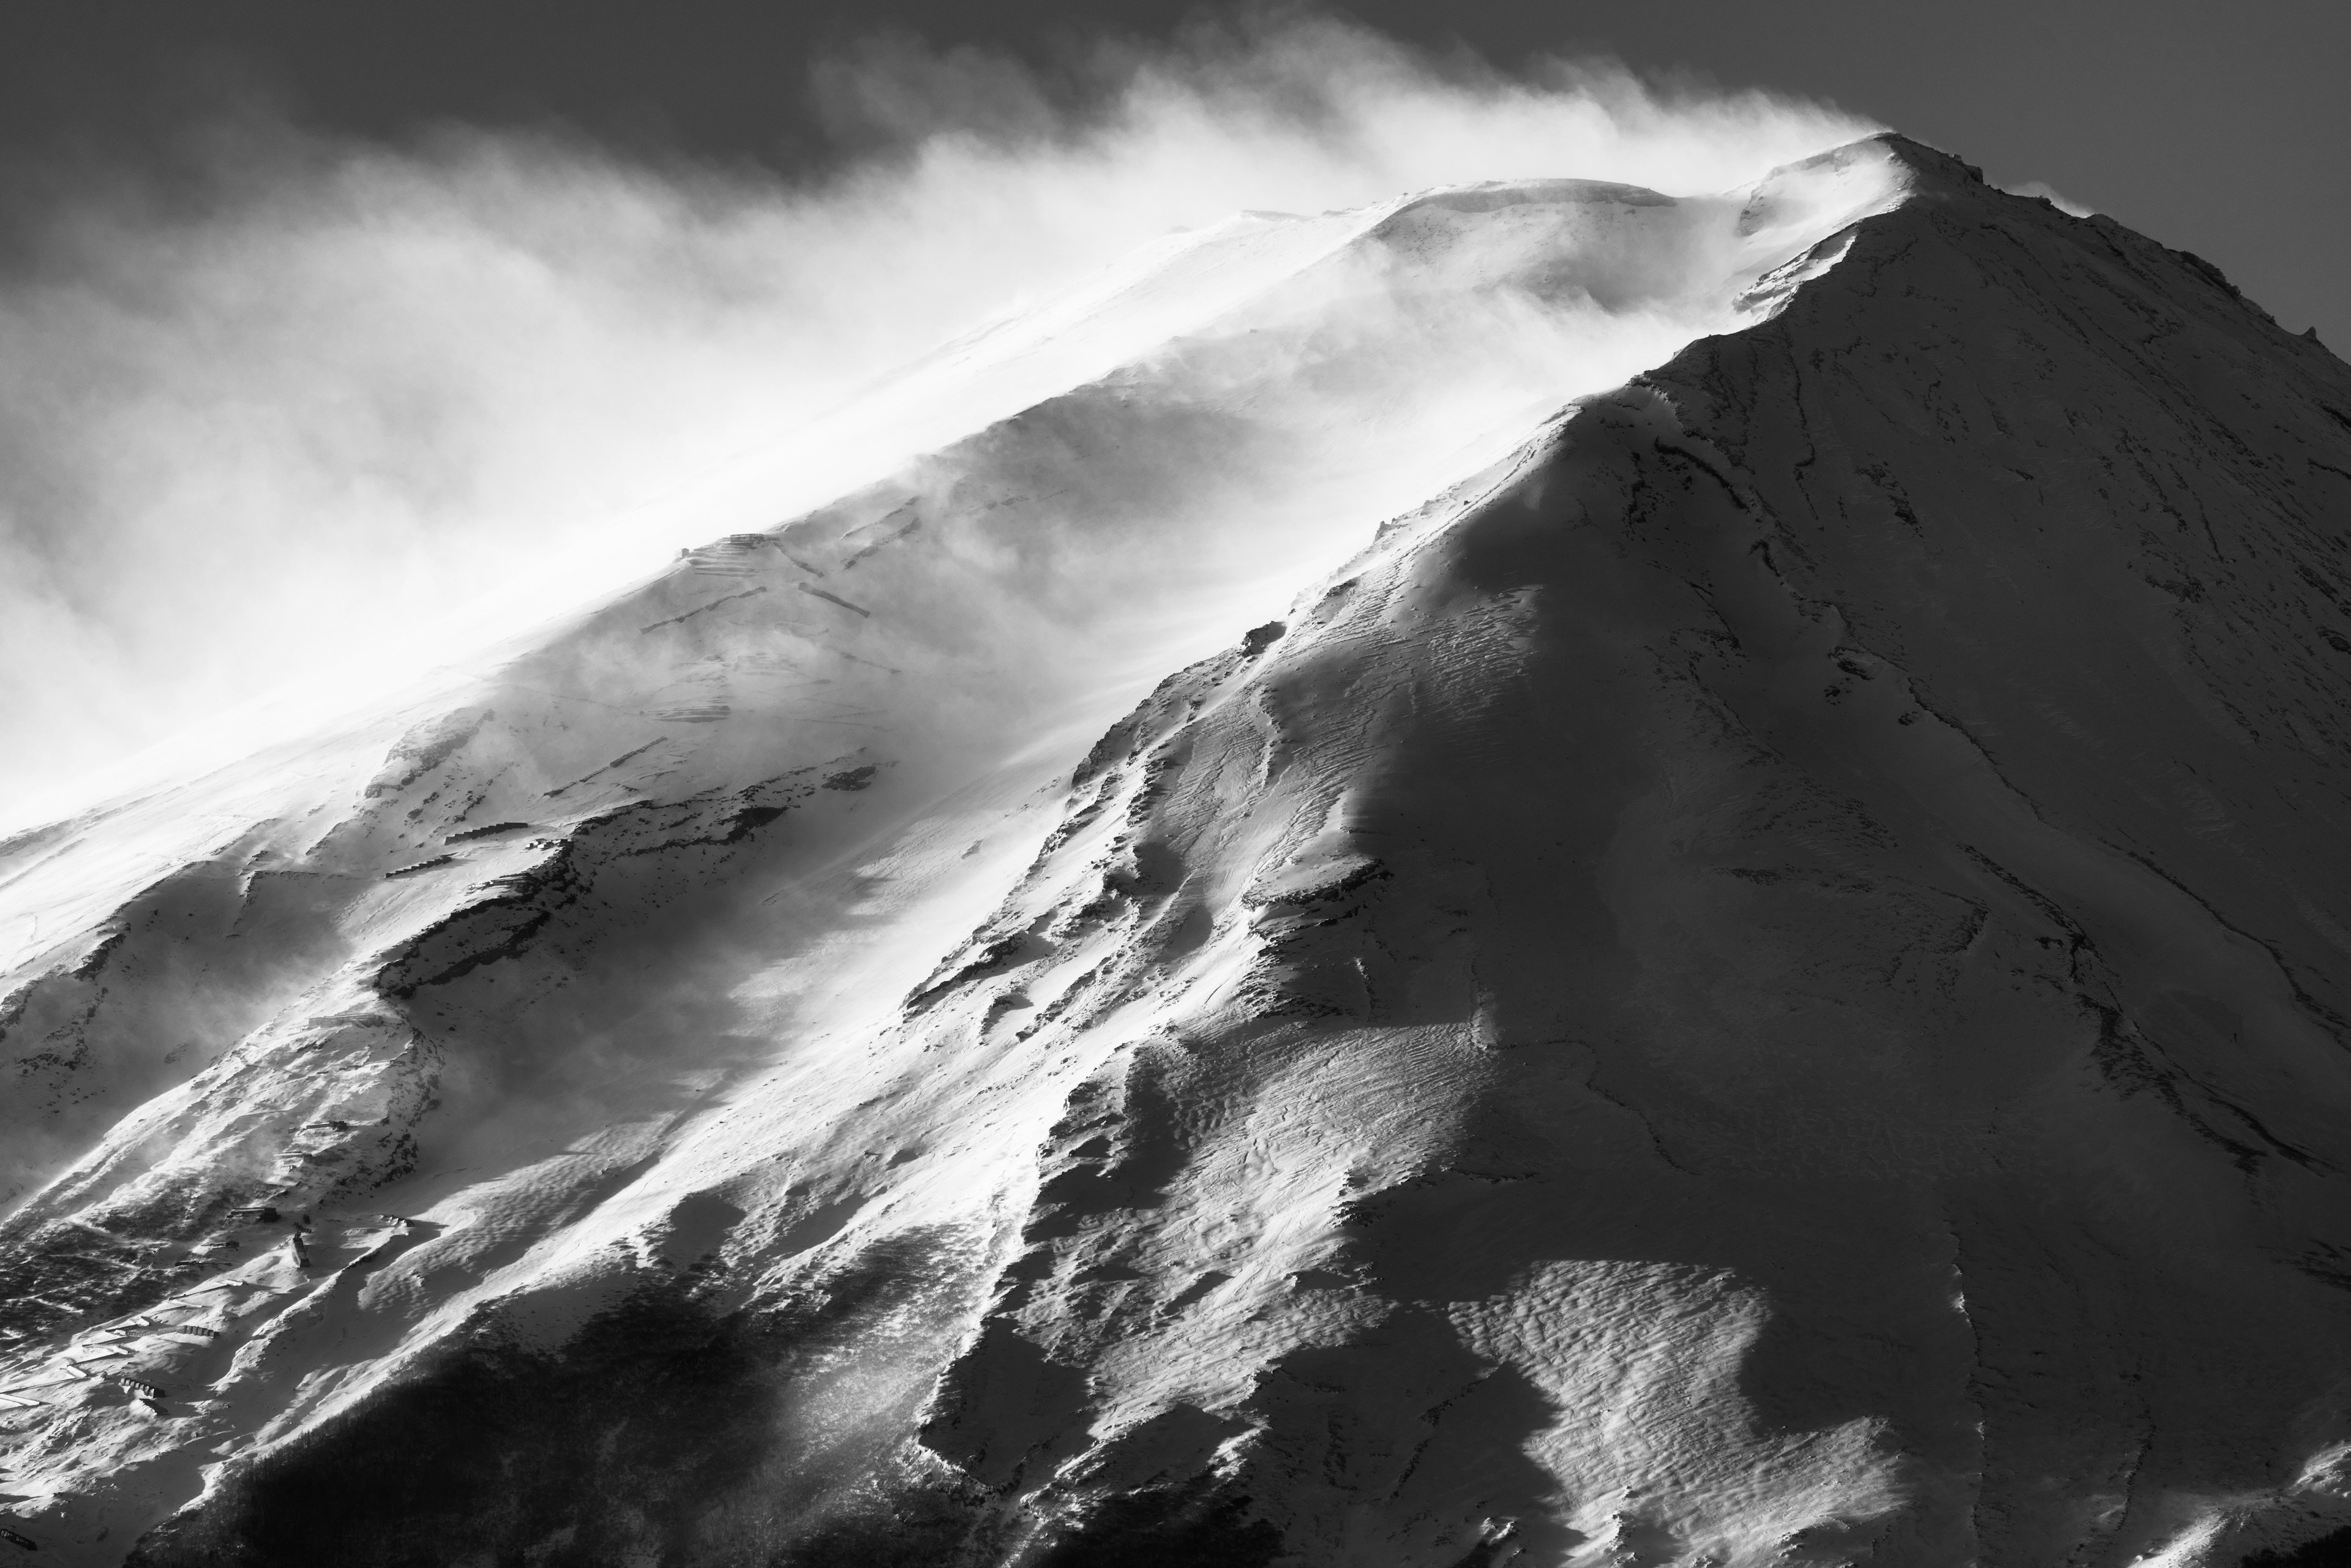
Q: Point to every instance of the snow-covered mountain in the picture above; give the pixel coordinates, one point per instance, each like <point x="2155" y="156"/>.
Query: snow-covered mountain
<point x="1547" y="875"/>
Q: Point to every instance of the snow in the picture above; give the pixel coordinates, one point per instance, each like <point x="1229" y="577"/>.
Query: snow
<point x="1542" y="871"/>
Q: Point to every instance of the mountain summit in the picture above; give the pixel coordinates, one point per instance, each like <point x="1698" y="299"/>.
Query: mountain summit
<point x="1549" y="875"/>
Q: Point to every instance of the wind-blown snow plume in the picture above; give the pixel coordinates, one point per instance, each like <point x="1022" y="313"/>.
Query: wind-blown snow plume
<point x="293" y="423"/>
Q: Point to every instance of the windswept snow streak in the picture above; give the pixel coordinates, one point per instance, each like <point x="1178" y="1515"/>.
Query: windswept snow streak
<point x="1748" y="973"/>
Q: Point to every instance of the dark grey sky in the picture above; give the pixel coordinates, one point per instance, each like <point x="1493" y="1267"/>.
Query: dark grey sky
<point x="2220" y="128"/>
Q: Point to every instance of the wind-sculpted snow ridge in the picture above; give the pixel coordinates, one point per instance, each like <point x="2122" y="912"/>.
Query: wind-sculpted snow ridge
<point x="1741" y="966"/>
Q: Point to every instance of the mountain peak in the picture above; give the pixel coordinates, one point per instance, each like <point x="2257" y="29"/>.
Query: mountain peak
<point x="1546" y="874"/>
<point x="1924" y="162"/>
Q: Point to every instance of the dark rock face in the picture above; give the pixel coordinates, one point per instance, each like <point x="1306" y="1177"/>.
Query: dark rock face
<point x="658" y="1431"/>
<point x="2328" y="1550"/>
<point x="609" y="1449"/>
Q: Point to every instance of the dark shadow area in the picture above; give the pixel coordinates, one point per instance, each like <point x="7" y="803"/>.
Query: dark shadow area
<point x="654" y="1436"/>
<point x="503" y="1455"/>
<point x="2332" y="1550"/>
<point x="1194" y="1527"/>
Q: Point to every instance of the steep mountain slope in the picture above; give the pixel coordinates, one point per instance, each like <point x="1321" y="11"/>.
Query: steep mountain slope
<point x="1752" y="976"/>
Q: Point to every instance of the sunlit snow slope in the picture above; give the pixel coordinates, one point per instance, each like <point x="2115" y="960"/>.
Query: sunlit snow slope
<point x="1548" y="875"/>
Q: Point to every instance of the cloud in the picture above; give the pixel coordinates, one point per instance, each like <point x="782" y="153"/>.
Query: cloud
<point x="2043" y="191"/>
<point x="328" y="412"/>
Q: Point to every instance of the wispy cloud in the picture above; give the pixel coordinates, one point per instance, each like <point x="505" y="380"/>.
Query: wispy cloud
<point x="289" y="420"/>
<point x="2050" y="193"/>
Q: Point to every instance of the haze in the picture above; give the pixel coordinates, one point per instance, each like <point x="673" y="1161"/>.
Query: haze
<point x="349" y="412"/>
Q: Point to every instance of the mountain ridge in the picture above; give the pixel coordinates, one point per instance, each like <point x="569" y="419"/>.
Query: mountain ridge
<point x="1577" y="1044"/>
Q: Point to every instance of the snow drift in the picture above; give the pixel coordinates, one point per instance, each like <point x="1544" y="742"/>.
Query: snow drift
<point x="1547" y="874"/>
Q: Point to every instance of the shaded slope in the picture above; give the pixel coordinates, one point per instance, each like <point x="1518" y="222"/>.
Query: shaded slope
<point x="1607" y="1011"/>
<point x="1819" y="966"/>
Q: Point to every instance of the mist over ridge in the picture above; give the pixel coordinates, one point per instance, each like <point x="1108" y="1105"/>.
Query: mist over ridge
<point x="301" y="411"/>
